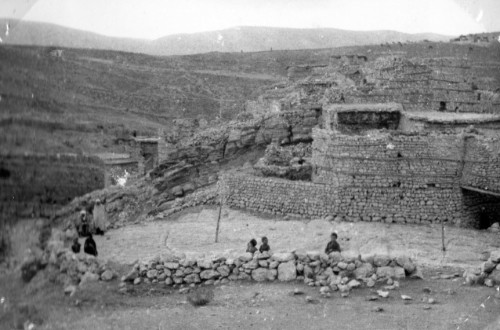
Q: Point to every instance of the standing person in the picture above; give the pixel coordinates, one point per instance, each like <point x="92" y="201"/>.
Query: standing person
<point x="83" y="225"/>
<point x="333" y="245"/>
<point x="252" y="246"/>
<point x="264" y="246"/>
<point x="100" y="217"/>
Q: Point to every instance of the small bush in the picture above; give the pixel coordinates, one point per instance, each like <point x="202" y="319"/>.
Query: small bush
<point x="200" y="296"/>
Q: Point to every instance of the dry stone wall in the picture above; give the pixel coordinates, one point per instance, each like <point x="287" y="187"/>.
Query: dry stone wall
<point x="35" y="184"/>
<point x="337" y="271"/>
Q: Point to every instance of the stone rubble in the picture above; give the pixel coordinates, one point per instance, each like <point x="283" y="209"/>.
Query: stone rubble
<point x="488" y="273"/>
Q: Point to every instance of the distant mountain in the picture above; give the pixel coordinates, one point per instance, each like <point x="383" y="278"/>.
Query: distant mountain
<point x="247" y="39"/>
<point x="44" y="34"/>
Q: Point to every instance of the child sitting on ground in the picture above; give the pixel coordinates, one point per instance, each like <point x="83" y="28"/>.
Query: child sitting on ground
<point x="264" y="246"/>
<point x="333" y="245"/>
<point x="252" y="246"/>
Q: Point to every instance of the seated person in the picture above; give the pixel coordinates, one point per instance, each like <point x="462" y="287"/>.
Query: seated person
<point x="264" y="246"/>
<point x="333" y="245"/>
<point x="252" y="246"/>
<point x="76" y="245"/>
<point x="89" y="246"/>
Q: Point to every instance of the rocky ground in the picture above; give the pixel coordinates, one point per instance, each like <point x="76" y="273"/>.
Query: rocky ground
<point x="260" y="306"/>
<point x="439" y="301"/>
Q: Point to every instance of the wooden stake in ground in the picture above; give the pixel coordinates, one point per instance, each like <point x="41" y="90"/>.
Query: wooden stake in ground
<point x="218" y="223"/>
<point x="222" y="192"/>
<point x="442" y="235"/>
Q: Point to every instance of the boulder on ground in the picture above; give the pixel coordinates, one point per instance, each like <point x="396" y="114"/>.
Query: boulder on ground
<point x="488" y="266"/>
<point x="287" y="271"/>
<point x="245" y="257"/>
<point x="399" y="272"/>
<point x="353" y="284"/>
<point x="260" y="274"/>
<point x="381" y="260"/>
<point x="208" y="274"/>
<point x="107" y="275"/>
<point x="335" y="256"/>
<point x="385" y="272"/>
<point x="495" y="277"/>
<point x="88" y="277"/>
<point x="364" y="271"/>
<point x="204" y="263"/>
<point x="283" y="257"/>
<point x="495" y="256"/>
<point x="192" y="278"/>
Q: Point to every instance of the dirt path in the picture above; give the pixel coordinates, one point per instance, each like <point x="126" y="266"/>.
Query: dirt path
<point x="194" y="234"/>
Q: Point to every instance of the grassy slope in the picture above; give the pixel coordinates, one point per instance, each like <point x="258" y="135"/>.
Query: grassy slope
<point x="88" y="99"/>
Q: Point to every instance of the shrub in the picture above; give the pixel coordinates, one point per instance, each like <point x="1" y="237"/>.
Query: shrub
<point x="200" y="296"/>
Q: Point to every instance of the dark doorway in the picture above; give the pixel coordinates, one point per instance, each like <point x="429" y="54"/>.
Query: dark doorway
<point x="442" y="106"/>
<point x="4" y="173"/>
<point x="484" y="208"/>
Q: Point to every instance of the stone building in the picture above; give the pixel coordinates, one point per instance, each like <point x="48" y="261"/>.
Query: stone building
<point x="364" y="168"/>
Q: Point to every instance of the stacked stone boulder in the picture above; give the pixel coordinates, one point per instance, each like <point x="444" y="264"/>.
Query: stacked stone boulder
<point x="488" y="274"/>
<point x="313" y="268"/>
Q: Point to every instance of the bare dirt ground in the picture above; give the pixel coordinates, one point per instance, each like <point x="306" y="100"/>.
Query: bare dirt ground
<point x="194" y="233"/>
<point x="246" y="305"/>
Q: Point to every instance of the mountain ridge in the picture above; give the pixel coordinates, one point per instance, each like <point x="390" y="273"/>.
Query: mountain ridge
<point x="236" y="39"/>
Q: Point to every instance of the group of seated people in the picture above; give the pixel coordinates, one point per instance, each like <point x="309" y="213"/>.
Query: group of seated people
<point x="332" y="246"/>
<point x="252" y="245"/>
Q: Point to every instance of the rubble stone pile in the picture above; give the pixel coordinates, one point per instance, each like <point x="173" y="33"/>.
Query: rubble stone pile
<point x="488" y="273"/>
<point x="336" y="271"/>
<point x="72" y="268"/>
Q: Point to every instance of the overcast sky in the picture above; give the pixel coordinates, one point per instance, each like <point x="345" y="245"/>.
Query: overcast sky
<point x="152" y="19"/>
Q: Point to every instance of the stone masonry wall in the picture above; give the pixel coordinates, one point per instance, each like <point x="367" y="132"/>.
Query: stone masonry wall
<point x="482" y="164"/>
<point x="399" y="177"/>
<point x="33" y="184"/>
<point x="405" y="178"/>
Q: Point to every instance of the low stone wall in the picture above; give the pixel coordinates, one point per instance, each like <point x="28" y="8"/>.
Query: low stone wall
<point x="338" y="271"/>
<point x="38" y="184"/>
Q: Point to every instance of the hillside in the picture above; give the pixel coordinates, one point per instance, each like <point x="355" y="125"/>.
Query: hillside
<point x="88" y="100"/>
<point x="246" y="39"/>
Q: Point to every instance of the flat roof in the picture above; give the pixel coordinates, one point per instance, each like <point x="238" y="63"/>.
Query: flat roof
<point x="364" y="107"/>
<point x="452" y="117"/>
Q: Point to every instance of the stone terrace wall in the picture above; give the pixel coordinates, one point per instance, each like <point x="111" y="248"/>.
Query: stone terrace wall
<point x="33" y="184"/>
<point x="482" y="164"/>
<point x="280" y="196"/>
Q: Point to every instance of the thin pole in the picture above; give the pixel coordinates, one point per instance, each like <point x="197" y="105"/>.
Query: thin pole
<point x="218" y="223"/>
